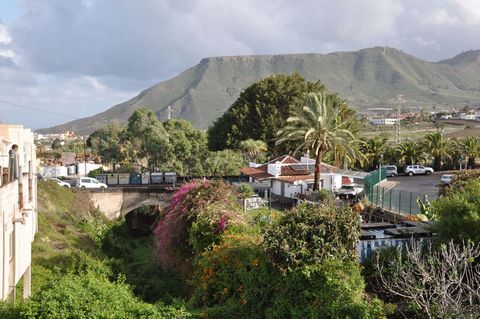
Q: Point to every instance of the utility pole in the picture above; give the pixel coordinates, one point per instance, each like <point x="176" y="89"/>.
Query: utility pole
<point x="85" y="154"/>
<point x="399" y="112"/>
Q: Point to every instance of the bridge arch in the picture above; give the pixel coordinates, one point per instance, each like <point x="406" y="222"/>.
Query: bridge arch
<point x="146" y="202"/>
<point x="115" y="203"/>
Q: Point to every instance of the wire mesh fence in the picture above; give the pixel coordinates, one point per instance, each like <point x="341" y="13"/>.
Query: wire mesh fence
<point x="399" y="201"/>
<point x="391" y="199"/>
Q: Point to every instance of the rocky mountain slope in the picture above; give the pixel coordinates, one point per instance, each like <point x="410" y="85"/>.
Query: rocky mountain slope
<point x="366" y="78"/>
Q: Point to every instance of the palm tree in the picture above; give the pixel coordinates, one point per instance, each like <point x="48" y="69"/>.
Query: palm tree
<point x="471" y="149"/>
<point x="411" y="152"/>
<point x="319" y="126"/>
<point x="373" y="150"/>
<point x="438" y="146"/>
<point x="252" y="148"/>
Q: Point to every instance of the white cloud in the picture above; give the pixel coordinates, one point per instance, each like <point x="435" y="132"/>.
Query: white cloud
<point x="88" y="55"/>
<point x="4" y="36"/>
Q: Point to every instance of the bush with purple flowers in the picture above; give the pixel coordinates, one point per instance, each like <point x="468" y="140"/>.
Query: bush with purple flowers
<point x="199" y="213"/>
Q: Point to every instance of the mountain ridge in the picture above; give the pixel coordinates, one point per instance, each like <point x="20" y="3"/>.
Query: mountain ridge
<point x="366" y="78"/>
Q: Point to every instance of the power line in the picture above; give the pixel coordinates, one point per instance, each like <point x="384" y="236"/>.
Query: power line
<point x="37" y="109"/>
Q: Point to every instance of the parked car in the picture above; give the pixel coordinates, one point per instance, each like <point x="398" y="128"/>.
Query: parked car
<point x="418" y="169"/>
<point x="350" y="191"/>
<point x="89" y="182"/>
<point x="391" y="170"/>
<point x="446" y="179"/>
<point x="59" y="182"/>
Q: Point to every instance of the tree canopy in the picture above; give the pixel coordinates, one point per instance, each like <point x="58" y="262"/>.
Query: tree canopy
<point x="260" y="111"/>
<point x="173" y="145"/>
<point x="324" y="124"/>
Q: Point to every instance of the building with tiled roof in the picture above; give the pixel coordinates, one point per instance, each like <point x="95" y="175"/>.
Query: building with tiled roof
<point x="288" y="176"/>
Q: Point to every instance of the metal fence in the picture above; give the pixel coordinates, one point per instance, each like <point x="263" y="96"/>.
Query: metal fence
<point x="391" y="199"/>
<point x="398" y="201"/>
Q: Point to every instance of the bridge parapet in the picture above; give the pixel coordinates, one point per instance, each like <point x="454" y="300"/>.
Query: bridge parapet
<point x="117" y="202"/>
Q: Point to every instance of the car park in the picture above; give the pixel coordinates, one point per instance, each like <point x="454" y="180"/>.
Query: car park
<point x="391" y="170"/>
<point x="350" y="191"/>
<point x="59" y="182"/>
<point x="411" y="170"/>
<point x="446" y="179"/>
<point x="89" y="182"/>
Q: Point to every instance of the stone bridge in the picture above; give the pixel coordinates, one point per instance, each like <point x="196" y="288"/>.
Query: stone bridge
<point x="116" y="202"/>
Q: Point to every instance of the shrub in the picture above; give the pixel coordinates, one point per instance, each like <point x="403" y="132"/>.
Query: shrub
<point x="92" y="296"/>
<point x="234" y="279"/>
<point x="311" y="235"/>
<point x="198" y="214"/>
<point x="332" y="289"/>
<point x="459" y="214"/>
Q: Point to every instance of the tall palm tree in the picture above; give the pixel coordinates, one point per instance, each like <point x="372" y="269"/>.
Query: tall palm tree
<point x="373" y="149"/>
<point x="411" y="152"/>
<point x="319" y="126"/>
<point x="471" y="149"/>
<point x="439" y="147"/>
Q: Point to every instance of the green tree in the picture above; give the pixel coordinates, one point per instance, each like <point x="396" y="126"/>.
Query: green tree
<point x="188" y="148"/>
<point x="319" y="126"/>
<point x="439" y="147"/>
<point x="373" y="149"/>
<point x="252" y="149"/>
<point x="223" y="163"/>
<point x="411" y="152"/>
<point x="260" y="111"/>
<point x="106" y="142"/>
<point x="145" y="140"/>
<point x="471" y="149"/>
<point x="56" y="144"/>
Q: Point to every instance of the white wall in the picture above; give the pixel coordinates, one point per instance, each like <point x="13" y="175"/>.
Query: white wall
<point x="19" y="223"/>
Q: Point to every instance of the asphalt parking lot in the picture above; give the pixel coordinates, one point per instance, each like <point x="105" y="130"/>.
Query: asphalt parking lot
<point x="427" y="184"/>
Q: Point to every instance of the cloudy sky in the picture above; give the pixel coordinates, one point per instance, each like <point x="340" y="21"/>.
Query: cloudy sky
<point x="73" y="59"/>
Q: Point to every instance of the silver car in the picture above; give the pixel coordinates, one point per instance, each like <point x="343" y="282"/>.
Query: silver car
<point x="411" y="170"/>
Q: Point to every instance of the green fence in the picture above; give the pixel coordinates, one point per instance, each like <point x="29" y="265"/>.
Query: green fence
<point x="391" y="199"/>
<point x="373" y="179"/>
<point x="397" y="201"/>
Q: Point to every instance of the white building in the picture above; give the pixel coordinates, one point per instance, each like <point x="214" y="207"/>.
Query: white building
<point x="18" y="207"/>
<point x="383" y="121"/>
<point x="287" y="176"/>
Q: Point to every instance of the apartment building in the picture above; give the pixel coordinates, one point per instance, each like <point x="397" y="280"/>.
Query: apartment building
<point x="18" y="208"/>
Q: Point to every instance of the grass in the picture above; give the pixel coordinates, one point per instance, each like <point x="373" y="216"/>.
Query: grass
<point x="74" y="235"/>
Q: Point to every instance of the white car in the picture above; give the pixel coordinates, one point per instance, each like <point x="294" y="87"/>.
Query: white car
<point x="350" y="191"/>
<point x="446" y="179"/>
<point x="411" y="170"/>
<point x="89" y="182"/>
<point x="59" y="182"/>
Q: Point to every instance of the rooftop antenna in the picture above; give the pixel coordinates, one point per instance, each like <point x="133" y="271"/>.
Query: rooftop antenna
<point x="169" y="112"/>
<point x="399" y="111"/>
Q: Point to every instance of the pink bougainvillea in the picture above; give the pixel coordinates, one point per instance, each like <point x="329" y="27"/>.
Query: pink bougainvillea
<point x="203" y="201"/>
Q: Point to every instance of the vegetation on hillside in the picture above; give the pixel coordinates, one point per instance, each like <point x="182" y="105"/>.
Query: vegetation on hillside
<point x="370" y="77"/>
<point x="72" y="277"/>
